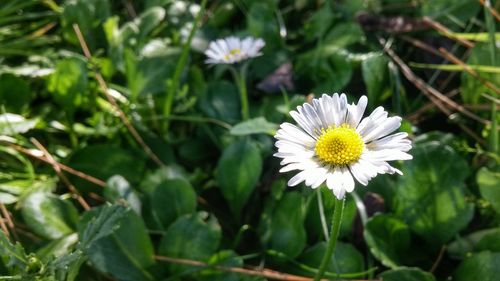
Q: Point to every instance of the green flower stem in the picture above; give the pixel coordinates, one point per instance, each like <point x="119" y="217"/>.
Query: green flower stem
<point x="173" y="83"/>
<point x="240" y="79"/>
<point x="334" y="233"/>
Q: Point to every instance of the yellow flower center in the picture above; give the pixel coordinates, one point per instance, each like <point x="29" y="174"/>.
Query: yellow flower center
<point x="235" y="51"/>
<point x="232" y="52"/>
<point x="339" y="146"/>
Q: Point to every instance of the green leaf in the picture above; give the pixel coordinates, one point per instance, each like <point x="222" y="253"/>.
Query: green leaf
<point x="103" y="161"/>
<point x="119" y="246"/>
<point x="88" y="14"/>
<point x="15" y="93"/>
<point x="257" y="125"/>
<point x="48" y="215"/>
<point x="489" y="186"/>
<point x="407" y="274"/>
<point x="345" y="259"/>
<point x="68" y="83"/>
<point x="238" y="172"/>
<point x="99" y="223"/>
<point x="220" y="101"/>
<point x="430" y="196"/>
<point x="388" y="239"/>
<point x="283" y="229"/>
<point x="58" y="247"/>
<point x="471" y="88"/>
<point x="14" y="253"/>
<point x="13" y="124"/>
<point x="481" y="240"/>
<point x="484" y="266"/>
<point x="376" y="75"/>
<point x="261" y="22"/>
<point x="202" y="234"/>
<point x="118" y="188"/>
<point x="147" y="75"/>
<point x="344" y="34"/>
<point x="170" y="199"/>
<point x="451" y="12"/>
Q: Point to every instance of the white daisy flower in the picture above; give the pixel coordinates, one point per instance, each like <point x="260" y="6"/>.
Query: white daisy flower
<point x="334" y="144"/>
<point x="233" y="50"/>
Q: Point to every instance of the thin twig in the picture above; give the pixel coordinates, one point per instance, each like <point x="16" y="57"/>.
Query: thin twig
<point x="492" y="11"/>
<point x="452" y="58"/>
<point x="61" y="175"/>
<point x="113" y="102"/>
<point x="266" y="273"/>
<point x="4" y="227"/>
<point x="8" y="219"/>
<point x="416" y="116"/>
<point x="446" y="32"/>
<point x="433" y="94"/>
<point x="449" y="56"/>
<point x="70" y="170"/>
<point x="438" y="259"/>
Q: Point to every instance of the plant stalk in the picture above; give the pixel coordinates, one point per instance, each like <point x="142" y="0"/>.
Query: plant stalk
<point x="334" y="233"/>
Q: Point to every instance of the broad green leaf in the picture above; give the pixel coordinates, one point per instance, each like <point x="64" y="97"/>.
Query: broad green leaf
<point x="118" y="188"/>
<point x="88" y="14"/>
<point x="67" y="267"/>
<point x="103" y="161"/>
<point x="13" y="124"/>
<point x="221" y="101"/>
<point x="170" y="199"/>
<point x="15" y="93"/>
<point x="148" y="74"/>
<point x="318" y="23"/>
<point x="257" y="125"/>
<point x="238" y="172"/>
<point x="470" y="87"/>
<point x="407" y="274"/>
<point x="481" y="240"/>
<point x="430" y="197"/>
<point x="48" y="215"/>
<point x="345" y="259"/>
<point x="99" y="223"/>
<point x="57" y="248"/>
<point x="261" y="22"/>
<point x="123" y="248"/>
<point x="376" y="78"/>
<point x="388" y="239"/>
<point x="202" y="234"/>
<point x="484" y="266"/>
<point x="68" y="83"/>
<point x="344" y="34"/>
<point x="283" y="228"/>
<point x="317" y="68"/>
<point x="452" y="13"/>
<point x="14" y="253"/>
<point x="489" y="186"/>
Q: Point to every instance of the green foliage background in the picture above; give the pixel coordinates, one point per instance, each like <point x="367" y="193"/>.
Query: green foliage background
<point x="214" y="196"/>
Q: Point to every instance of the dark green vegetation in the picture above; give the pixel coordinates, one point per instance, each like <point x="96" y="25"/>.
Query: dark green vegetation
<point x="209" y="191"/>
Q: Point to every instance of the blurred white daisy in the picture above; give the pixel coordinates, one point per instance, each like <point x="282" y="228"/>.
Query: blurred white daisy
<point x="334" y="144"/>
<point x="233" y="50"/>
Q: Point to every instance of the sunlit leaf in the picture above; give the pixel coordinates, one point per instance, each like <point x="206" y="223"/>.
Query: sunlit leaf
<point x="238" y="172"/>
<point x="430" y="197"/>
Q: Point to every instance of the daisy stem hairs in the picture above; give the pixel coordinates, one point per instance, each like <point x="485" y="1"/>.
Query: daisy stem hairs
<point x="334" y="233"/>
<point x="240" y="80"/>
